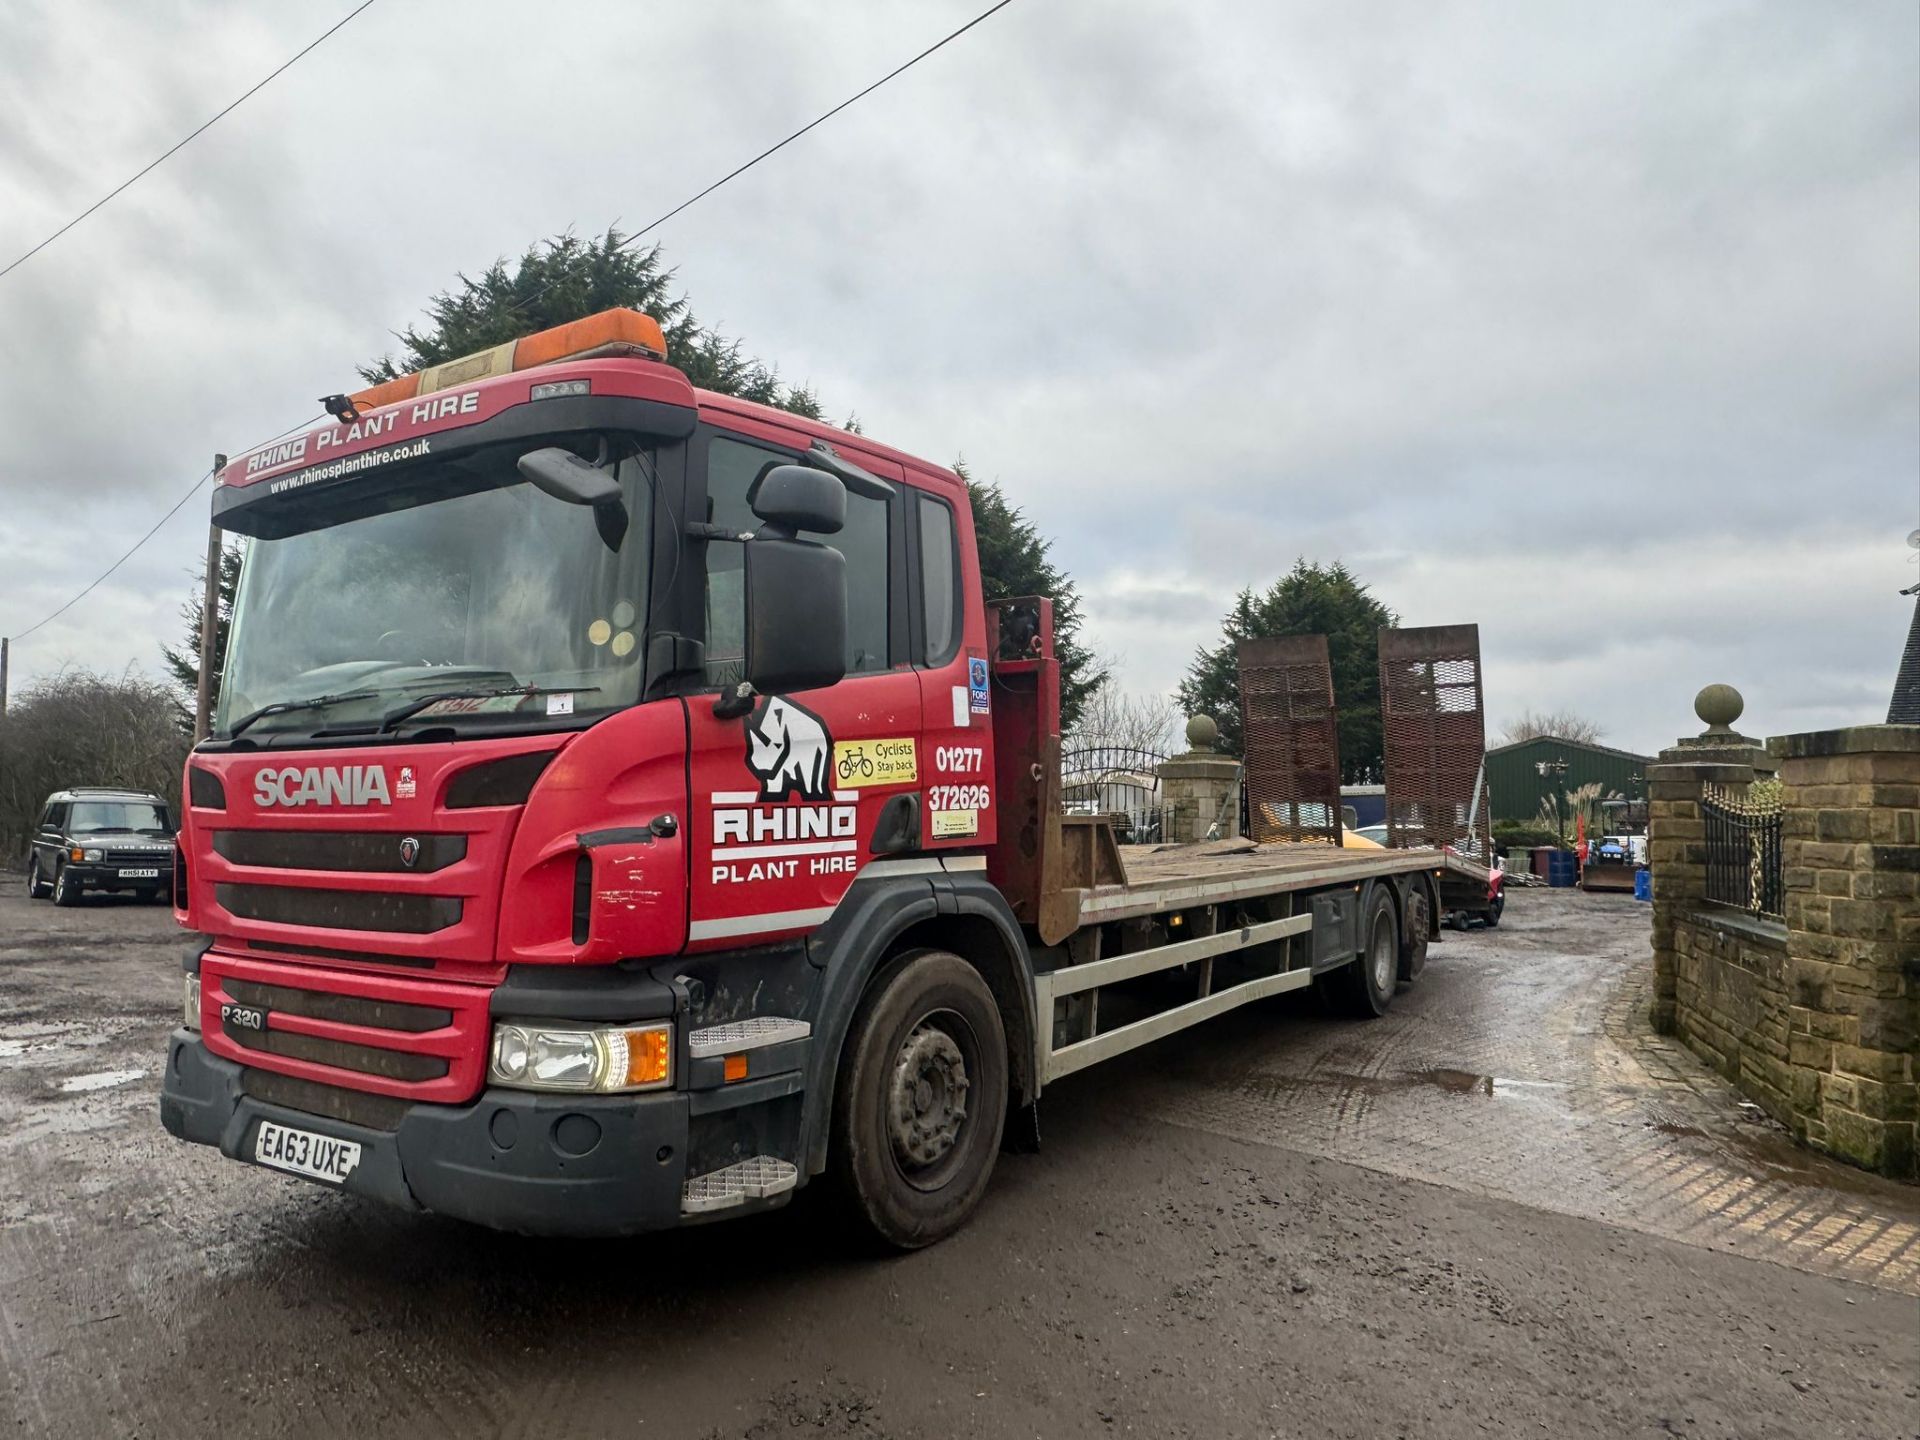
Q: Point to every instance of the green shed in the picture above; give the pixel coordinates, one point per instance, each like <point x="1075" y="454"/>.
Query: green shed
<point x="1516" y="787"/>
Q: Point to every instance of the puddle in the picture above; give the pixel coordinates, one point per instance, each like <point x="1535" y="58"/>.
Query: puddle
<point x="1452" y="1082"/>
<point x="1466" y="1082"/>
<point x="98" y="1080"/>
<point x="1691" y="1132"/>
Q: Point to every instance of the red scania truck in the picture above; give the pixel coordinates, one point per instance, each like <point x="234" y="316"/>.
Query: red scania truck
<point x="621" y="808"/>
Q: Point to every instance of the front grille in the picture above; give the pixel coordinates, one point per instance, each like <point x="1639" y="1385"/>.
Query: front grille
<point x="411" y="1038"/>
<point x="329" y="1102"/>
<point x="160" y="857"/>
<point x="340" y="909"/>
<point x="325" y="952"/>
<point x="365" y="853"/>
<point x="341" y="1054"/>
<point x="347" y="1009"/>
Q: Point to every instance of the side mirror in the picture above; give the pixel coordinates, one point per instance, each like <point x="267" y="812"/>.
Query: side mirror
<point x="796" y="613"/>
<point x="794" y="497"/>
<point x="565" y="476"/>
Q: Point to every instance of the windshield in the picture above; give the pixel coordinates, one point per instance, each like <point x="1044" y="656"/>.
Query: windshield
<point x="481" y="583"/>
<point x="92" y="816"/>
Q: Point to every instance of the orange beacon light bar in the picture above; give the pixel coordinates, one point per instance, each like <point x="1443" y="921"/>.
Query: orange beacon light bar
<point x="610" y="333"/>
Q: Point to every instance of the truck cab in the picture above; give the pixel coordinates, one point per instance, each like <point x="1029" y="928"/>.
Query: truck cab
<point x="586" y="744"/>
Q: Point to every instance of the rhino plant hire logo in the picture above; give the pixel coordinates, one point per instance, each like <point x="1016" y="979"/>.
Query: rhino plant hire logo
<point x="789" y="751"/>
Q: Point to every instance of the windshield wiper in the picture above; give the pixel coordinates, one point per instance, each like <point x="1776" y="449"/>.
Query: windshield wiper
<point x="414" y="707"/>
<point x="281" y="707"/>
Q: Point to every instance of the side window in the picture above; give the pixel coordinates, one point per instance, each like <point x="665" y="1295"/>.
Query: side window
<point x="731" y="466"/>
<point x="56" y="817"/>
<point x="939" y="580"/>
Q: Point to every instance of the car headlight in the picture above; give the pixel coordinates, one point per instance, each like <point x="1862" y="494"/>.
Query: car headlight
<point x="193" y="1002"/>
<point x="577" y="1058"/>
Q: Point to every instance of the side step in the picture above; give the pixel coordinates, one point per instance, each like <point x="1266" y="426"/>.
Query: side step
<point x="756" y="1179"/>
<point x="738" y="1035"/>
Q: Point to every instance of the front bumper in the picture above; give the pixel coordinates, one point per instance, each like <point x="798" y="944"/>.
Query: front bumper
<point x="103" y="875"/>
<point x="535" y="1164"/>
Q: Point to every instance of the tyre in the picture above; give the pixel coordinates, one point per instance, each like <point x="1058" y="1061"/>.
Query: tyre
<point x="1413" y="933"/>
<point x="1491" y="915"/>
<point x="37" y="889"/>
<point x="66" y="890"/>
<point x="920" y="1101"/>
<point x="1364" y="987"/>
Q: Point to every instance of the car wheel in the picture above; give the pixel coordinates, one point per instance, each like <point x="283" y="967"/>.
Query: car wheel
<point x="920" y="1101"/>
<point x="66" y="889"/>
<point x="1364" y="986"/>
<point x="36" y="887"/>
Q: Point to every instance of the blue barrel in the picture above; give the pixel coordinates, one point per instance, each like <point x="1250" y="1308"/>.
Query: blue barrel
<point x="1560" y="868"/>
<point x="1643" y="885"/>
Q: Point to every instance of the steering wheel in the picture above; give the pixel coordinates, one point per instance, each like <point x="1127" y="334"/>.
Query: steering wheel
<point x="390" y="642"/>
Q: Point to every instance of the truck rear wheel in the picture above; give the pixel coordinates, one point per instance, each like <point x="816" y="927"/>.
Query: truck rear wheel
<point x="1364" y="987"/>
<point x="1413" y="933"/>
<point x="921" y="1099"/>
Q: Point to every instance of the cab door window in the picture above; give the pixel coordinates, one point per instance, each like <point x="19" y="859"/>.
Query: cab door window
<point x="939" y="581"/>
<point x="864" y="541"/>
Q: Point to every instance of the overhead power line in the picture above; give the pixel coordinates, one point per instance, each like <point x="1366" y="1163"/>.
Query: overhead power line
<point x="818" y="120"/>
<point x="128" y="555"/>
<point x="814" y="123"/>
<point x="155" y="164"/>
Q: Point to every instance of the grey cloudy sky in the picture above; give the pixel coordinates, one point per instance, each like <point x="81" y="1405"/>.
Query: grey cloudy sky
<point x="1599" y="325"/>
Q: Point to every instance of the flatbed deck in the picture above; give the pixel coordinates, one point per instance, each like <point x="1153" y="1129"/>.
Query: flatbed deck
<point x="1170" y="877"/>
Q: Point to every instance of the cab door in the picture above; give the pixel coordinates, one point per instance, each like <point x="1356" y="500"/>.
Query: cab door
<point x="790" y="799"/>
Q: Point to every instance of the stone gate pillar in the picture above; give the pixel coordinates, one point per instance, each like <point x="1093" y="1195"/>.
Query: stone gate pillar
<point x="1850" y="841"/>
<point x="1195" y="787"/>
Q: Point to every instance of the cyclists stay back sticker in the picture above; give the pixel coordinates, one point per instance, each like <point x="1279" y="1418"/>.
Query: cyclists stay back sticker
<point x="857" y="763"/>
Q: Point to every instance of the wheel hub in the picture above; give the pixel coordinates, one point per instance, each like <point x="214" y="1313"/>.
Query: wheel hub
<point x="928" y="1098"/>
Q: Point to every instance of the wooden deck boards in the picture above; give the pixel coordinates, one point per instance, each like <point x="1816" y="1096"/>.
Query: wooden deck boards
<point x="1169" y="876"/>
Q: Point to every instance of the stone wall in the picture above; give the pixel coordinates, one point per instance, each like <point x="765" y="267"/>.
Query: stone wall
<point x="1815" y="1019"/>
<point x="1730" y="1001"/>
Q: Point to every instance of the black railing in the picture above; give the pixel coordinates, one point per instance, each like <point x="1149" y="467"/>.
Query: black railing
<point x="1743" y="855"/>
<point x="1119" y="780"/>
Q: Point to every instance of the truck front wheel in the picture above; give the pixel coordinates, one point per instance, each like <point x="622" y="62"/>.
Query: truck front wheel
<point x="921" y="1099"/>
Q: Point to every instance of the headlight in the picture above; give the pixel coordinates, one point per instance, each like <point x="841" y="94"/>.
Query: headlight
<point x="93" y="855"/>
<point x="579" y="1058"/>
<point x="193" y="1002"/>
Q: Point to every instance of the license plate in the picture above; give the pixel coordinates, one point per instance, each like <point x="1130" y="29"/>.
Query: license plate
<point x="320" y="1157"/>
<point x="139" y="874"/>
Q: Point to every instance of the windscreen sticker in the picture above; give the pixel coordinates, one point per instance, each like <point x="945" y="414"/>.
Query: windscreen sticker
<point x="561" y="704"/>
<point x="977" y="684"/>
<point x="476" y="705"/>
<point x="860" y="763"/>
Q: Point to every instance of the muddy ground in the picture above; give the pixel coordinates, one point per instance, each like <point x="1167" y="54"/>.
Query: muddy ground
<point x="1503" y="1210"/>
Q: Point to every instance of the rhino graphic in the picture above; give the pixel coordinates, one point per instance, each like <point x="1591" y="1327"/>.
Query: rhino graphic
<point x="789" y="748"/>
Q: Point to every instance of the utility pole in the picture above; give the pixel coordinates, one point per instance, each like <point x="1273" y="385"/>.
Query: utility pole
<point x="209" y="617"/>
<point x="3" y="677"/>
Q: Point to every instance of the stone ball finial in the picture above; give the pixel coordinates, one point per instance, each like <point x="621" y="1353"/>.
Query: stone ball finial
<point x="1719" y="706"/>
<point x="1202" y="732"/>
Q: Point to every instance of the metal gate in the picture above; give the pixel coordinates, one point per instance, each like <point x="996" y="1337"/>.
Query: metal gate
<point x="1118" y="780"/>
<point x="1292" y="739"/>
<point x="1433" y="721"/>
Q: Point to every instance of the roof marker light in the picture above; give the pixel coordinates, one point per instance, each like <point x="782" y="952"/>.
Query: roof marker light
<point x="618" y="332"/>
